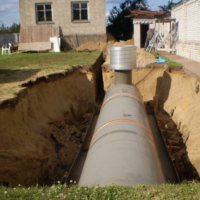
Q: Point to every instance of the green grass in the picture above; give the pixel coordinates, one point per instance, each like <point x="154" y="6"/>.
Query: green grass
<point x="165" y="191"/>
<point x="169" y="62"/>
<point x="19" y="68"/>
<point x="35" y="62"/>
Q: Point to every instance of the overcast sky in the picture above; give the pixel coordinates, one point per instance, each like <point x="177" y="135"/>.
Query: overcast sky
<point x="9" y="9"/>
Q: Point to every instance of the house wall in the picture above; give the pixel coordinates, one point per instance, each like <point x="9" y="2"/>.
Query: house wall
<point x="94" y="30"/>
<point x="137" y="36"/>
<point x="188" y="16"/>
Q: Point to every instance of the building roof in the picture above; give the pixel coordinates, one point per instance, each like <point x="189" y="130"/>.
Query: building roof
<point x="143" y="21"/>
<point x="146" y="14"/>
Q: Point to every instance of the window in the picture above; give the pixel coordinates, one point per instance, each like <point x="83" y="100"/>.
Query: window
<point x="80" y="11"/>
<point x="44" y="12"/>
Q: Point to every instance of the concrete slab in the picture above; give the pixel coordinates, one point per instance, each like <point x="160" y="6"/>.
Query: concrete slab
<point x="189" y="66"/>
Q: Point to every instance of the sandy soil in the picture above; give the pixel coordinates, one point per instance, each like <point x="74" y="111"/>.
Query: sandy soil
<point x="42" y="130"/>
<point x="92" y="46"/>
<point x="178" y="95"/>
<point x="143" y="58"/>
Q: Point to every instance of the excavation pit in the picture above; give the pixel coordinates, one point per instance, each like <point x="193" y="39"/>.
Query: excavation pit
<point x="44" y="127"/>
<point x="173" y="95"/>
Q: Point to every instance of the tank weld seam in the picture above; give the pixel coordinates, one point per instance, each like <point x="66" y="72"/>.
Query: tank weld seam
<point x="124" y="120"/>
<point x="126" y="131"/>
<point x="122" y="94"/>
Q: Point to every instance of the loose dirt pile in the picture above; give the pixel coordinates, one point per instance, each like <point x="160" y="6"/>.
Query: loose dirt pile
<point x="97" y="46"/>
<point x="112" y="43"/>
<point x="92" y="46"/>
<point x="143" y="58"/>
<point x="110" y="37"/>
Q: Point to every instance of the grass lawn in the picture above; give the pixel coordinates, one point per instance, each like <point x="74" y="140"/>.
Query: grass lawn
<point x="19" y="68"/>
<point x="166" y="191"/>
<point x="169" y="62"/>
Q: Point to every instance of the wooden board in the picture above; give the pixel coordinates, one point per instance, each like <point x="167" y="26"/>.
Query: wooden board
<point x="37" y="46"/>
<point x="167" y="50"/>
<point x="40" y="33"/>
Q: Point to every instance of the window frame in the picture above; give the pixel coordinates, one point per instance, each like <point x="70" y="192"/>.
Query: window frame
<point x="72" y="12"/>
<point x="36" y="13"/>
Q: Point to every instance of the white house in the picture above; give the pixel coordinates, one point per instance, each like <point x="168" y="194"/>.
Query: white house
<point x="187" y="14"/>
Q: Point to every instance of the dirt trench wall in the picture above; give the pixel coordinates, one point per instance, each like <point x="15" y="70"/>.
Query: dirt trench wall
<point x="30" y="124"/>
<point x="139" y="77"/>
<point x="181" y="96"/>
<point x="177" y="93"/>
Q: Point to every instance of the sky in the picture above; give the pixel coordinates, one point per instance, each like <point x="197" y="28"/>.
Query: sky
<point x="9" y="9"/>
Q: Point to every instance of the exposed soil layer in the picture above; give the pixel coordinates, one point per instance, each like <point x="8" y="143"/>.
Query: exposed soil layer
<point x="177" y="96"/>
<point x="44" y="126"/>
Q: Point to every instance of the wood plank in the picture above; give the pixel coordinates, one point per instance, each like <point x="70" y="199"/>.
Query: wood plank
<point x="163" y="49"/>
<point x="37" y="46"/>
<point x="42" y="33"/>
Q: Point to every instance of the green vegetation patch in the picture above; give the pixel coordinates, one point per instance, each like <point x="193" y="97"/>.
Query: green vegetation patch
<point x="165" y="191"/>
<point x="169" y="62"/>
<point x="43" y="61"/>
<point x="18" y="68"/>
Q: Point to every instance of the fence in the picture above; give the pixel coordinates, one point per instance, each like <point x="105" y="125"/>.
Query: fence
<point x="9" y="38"/>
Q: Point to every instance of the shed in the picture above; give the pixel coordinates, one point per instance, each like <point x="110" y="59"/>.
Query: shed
<point x="143" y="20"/>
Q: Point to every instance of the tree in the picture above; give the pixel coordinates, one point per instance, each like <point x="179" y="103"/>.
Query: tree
<point x="118" y="24"/>
<point x="4" y="28"/>
<point x="14" y="28"/>
<point x="169" y="6"/>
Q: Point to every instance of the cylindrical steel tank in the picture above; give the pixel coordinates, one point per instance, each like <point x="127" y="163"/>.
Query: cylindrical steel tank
<point x="123" y="57"/>
<point x="123" y="60"/>
<point x="123" y="150"/>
